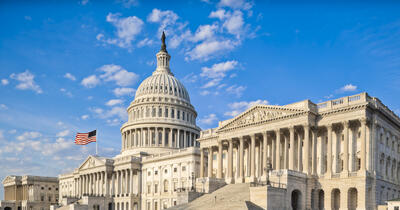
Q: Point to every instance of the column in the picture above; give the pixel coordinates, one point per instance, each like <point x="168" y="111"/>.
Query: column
<point x="265" y="154"/>
<point x="241" y="158"/>
<point x="299" y="154"/>
<point x="273" y="155"/>
<point x="157" y="137"/>
<point x="291" y="152"/>
<point x="170" y="138"/>
<point x="363" y="143"/>
<point x="118" y="189"/>
<point x="106" y="182"/>
<point x="252" y="154"/>
<point x="306" y="149"/>
<point x="346" y="146"/>
<point x="278" y="149"/>
<point x="285" y="151"/>
<point x="127" y="181"/>
<point x="314" y="150"/>
<point x="230" y="159"/>
<point x="219" y="173"/>
<point x="329" y="155"/>
<point x="210" y="162"/>
<point x="185" y="144"/>
<point x="163" y="137"/>
<point x="201" y="163"/>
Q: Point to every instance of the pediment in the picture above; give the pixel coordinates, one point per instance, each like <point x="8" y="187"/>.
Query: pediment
<point x="9" y="179"/>
<point x="260" y="113"/>
<point x="91" y="162"/>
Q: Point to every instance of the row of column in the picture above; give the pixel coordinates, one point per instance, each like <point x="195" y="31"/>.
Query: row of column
<point x="158" y="137"/>
<point x="284" y="147"/>
<point x="120" y="183"/>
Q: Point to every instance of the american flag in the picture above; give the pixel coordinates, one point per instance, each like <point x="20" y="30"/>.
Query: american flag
<point x="85" y="138"/>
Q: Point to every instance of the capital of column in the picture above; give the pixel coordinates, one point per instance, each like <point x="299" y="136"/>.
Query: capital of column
<point x="364" y="120"/>
<point x="346" y="123"/>
<point x="329" y="126"/>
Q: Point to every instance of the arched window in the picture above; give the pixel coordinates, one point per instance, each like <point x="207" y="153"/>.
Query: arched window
<point x="178" y="114"/>
<point x="183" y="115"/>
<point x="153" y="113"/>
<point x="166" y="112"/>
<point x="172" y="113"/>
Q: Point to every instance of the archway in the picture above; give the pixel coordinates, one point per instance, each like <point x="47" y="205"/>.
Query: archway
<point x="321" y="200"/>
<point x="335" y="199"/>
<point x="353" y="196"/>
<point x="296" y="200"/>
<point x="7" y="208"/>
<point x="110" y="206"/>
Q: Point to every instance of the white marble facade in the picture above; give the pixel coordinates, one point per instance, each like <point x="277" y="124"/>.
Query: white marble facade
<point x="159" y="155"/>
<point x="348" y="149"/>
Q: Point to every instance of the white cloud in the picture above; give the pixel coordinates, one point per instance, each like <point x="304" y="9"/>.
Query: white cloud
<point x="190" y="78"/>
<point x="209" y="119"/>
<point x="85" y="117"/>
<point x="117" y="74"/>
<point x="234" y="24"/>
<point x="241" y="106"/>
<point x="145" y="42"/>
<point x="236" y="90"/>
<point x="90" y="81"/>
<point x="218" y="70"/>
<point x="220" y="14"/>
<point x="124" y="91"/>
<point x="29" y="135"/>
<point x="115" y="112"/>
<point x="26" y="81"/>
<point x="127" y="30"/>
<point x="165" y="18"/>
<point x="66" y="92"/>
<point x="3" y="107"/>
<point x="348" y="88"/>
<point x="207" y="49"/>
<point x="69" y="76"/>
<point x="4" y="82"/>
<point x="204" y="32"/>
<point x="63" y="133"/>
<point x="204" y="92"/>
<point x="114" y="102"/>
<point x="235" y="4"/>
<point x="12" y="131"/>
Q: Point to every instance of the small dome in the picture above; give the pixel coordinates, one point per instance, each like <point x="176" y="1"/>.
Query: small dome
<point x="162" y="84"/>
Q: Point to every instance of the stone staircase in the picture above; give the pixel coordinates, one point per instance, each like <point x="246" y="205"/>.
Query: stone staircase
<point x="229" y="197"/>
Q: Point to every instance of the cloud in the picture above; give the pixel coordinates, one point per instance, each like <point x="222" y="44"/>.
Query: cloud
<point x="204" y="92"/>
<point x="116" y="113"/>
<point x="90" y="81"/>
<point x="127" y="30"/>
<point x="63" y="133"/>
<point x="66" y="92"/>
<point x="29" y="135"/>
<point x="85" y="117"/>
<point x="235" y="4"/>
<point x="220" y="14"/>
<point x="204" y="32"/>
<point x="236" y="90"/>
<point x="164" y="18"/>
<point x="117" y="74"/>
<point x="69" y="76"/>
<point x="114" y="102"/>
<point x="190" y="78"/>
<point x="12" y="131"/>
<point x="218" y="70"/>
<point x="234" y="24"/>
<point x="124" y="91"/>
<point x="4" y="82"/>
<point x="238" y="107"/>
<point x="3" y="107"/>
<point x="208" y="49"/>
<point x="26" y="81"/>
<point x="348" y="88"/>
<point x="208" y="119"/>
<point x="145" y="42"/>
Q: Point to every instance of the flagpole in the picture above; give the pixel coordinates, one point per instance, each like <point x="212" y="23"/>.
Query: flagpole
<point x="96" y="143"/>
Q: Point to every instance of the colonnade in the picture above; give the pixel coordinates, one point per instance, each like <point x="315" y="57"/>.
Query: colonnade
<point x="120" y="183"/>
<point x="311" y="150"/>
<point x="158" y="137"/>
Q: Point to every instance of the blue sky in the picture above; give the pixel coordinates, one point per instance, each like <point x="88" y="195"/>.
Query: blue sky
<point x="74" y="66"/>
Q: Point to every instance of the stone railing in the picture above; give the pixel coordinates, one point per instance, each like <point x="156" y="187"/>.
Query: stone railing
<point x="343" y="102"/>
<point x="382" y="107"/>
<point x="208" y="133"/>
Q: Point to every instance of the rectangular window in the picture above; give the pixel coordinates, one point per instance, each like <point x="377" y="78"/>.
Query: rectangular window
<point x="155" y="188"/>
<point x="183" y="168"/>
<point x="166" y="112"/>
<point x="172" y="113"/>
<point x="183" y="115"/>
<point x="159" y="112"/>
<point x="148" y="188"/>
<point x="178" y="115"/>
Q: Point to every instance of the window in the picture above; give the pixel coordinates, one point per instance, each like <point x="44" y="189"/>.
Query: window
<point x="155" y="172"/>
<point x="175" y="170"/>
<point x="147" y="112"/>
<point x="159" y="112"/>
<point x="56" y="189"/>
<point x="214" y="156"/>
<point x="49" y="188"/>
<point x="175" y="186"/>
<point x="42" y="188"/>
<point x="396" y="208"/>
<point x="153" y="113"/>
<point x="166" y="112"/>
<point x="149" y="188"/>
<point x="41" y="197"/>
<point x="49" y="198"/>
<point x="166" y="185"/>
<point x="148" y="173"/>
<point x="172" y="113"/>
<point x="178" y="114"/>
<point x="183" y="168"/>
<point x="183" y="115"/>
<point x="165" y="171"/>
<point x="155" y="188"/>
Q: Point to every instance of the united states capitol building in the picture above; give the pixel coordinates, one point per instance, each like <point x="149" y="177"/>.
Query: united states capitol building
<point x="339" y="154"/>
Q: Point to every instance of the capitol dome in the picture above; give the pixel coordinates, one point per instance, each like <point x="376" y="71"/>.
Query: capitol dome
<point x="161" y="117"/>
